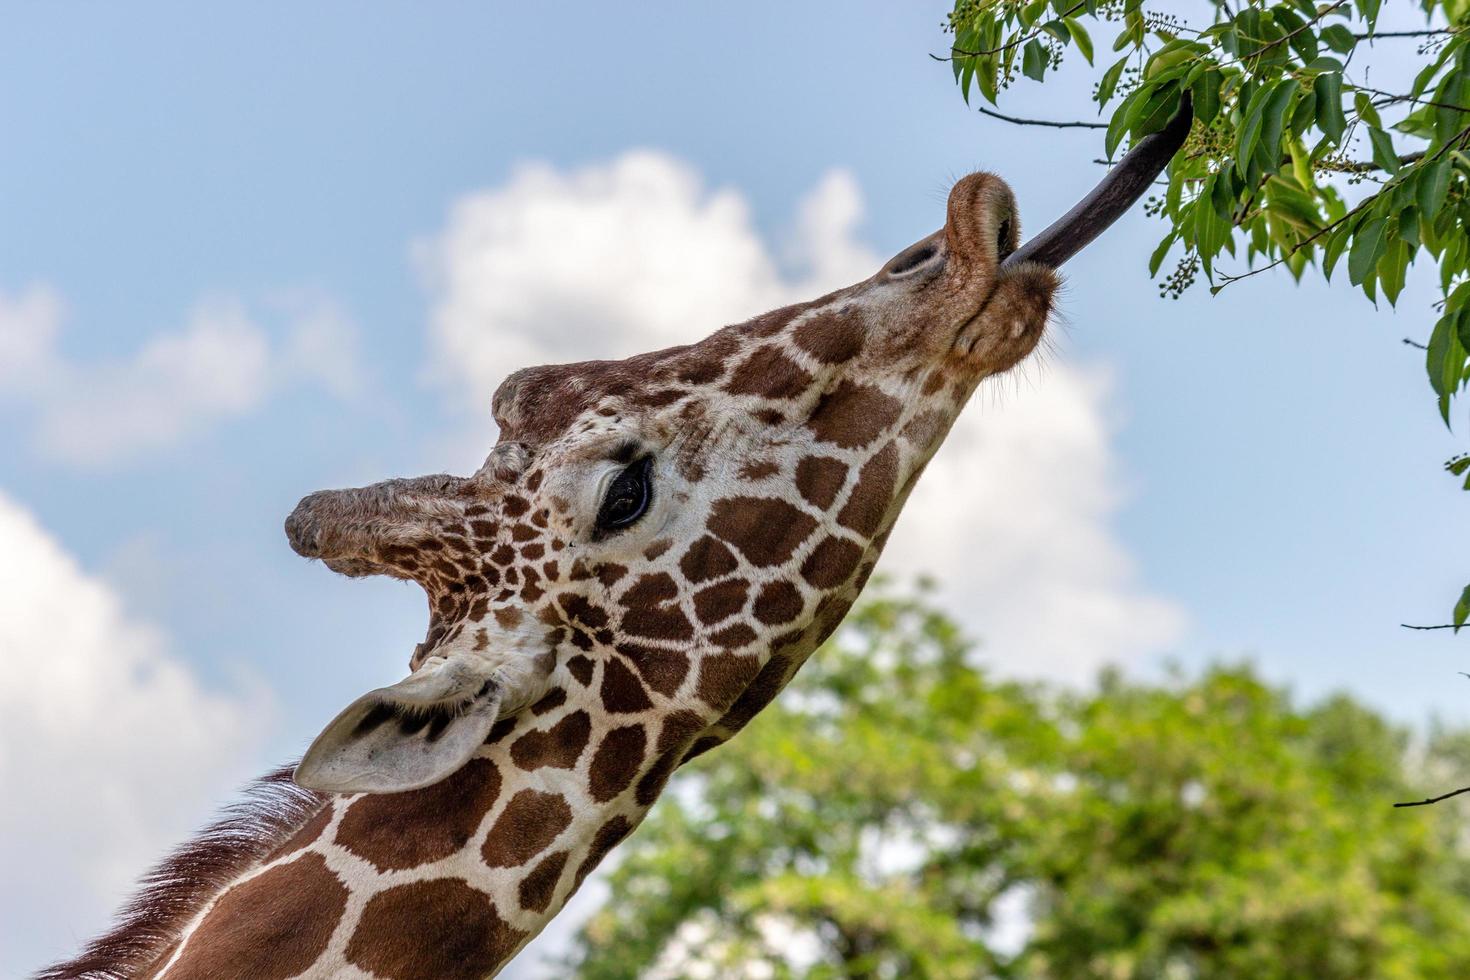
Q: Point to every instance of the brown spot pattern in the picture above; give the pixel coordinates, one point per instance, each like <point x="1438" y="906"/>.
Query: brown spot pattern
<point x="716" y="602"/>
<point x="722" y="676"/>
<point x="819" y="479"/>
<point x="662" y="670"/>
<point x="778" y="602"/>
<point x="852" y="415"/>
<point x="873" y="493"/>
<point x="404" y="830"/>
<point x="608" y="836"/>
<point x="769" y="373"/>
<point x="707" y="558"/>
<point x="830" y="563"/>
<point x="616" y="762"/>
<point x="830" y="337"/>
<point x="441" y="928"/>
<point x="559" y="747"/>
<point x="539" y="887"/>
<point x="279" y="922"/>
<point x="525" y="828"/>
<point x="649" y="610"/>
<point x="621" y="691"/>
<point x="764" y="529"/>
<point x="580" y="667"/>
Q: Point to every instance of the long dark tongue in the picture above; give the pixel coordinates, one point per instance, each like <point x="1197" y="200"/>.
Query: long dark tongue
<point x="1114" y="194"/>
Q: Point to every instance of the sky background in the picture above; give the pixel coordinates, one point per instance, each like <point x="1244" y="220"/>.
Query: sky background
<point x="249" y="255"/>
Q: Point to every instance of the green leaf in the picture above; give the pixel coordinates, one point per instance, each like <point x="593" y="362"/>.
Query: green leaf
<point x="1122" y="118"/>
<point x="1409" y="226"/>
<point x="1080" y="37"/>
<point x="1278" y="100"/>
<point x="1365" y="110"/>
<point x="1367" y="249"/>
<point x="1109" y="83"/>
<point x="1369" y="10"/>
<point x="1332" y="251"/>
<point x="1058" y="29"/>
<point x="986" y="76"/>
<point x="1303" y="116"/>
<point x="1445" y="357"/>
<point x="1462" y="609"/>
<point x="1392" y="268"/>
<point x="1206" y="94"/>
<point x="1383" y="152"/>
<point x="1155" y="113"/>
<point x="1338" y="38"/>
<point x="1250" y="130"/>
<point x="1432" y="184"/>
<point x="1157" y="259"/>
<point x="1033" y="60"/>
<point x="1460" y="298"/>
<point x="1327" y="91"/>
<point x="1317" y="66"/>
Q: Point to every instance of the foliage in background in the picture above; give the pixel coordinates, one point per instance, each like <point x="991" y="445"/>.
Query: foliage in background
<point x="1297" y="157"/>
<point x="882" y="815"/>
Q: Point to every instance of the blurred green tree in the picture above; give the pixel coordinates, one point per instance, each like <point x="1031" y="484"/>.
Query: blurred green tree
<point x="1319" y="138"/>
<point x="897" y="813"/>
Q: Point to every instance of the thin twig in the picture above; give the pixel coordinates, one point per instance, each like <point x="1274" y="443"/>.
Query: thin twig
<point x="1368" y="166"/>
<point x="1425" y="33"/>
<point x="1389" y="98"/>
<point x="1041" y="122"/>
<point x="1449" y="143"/>
<point x="1435" y="799"/>
<point x="953" y="51"/>
<point x="1228" y="279"/>
<point x="1415" y="343"/>
<point x="1291" y="34"/>
<point x="1410" y="626"/>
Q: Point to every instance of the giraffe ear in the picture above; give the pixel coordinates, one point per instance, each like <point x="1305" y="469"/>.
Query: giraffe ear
<point x="409" y="735"/>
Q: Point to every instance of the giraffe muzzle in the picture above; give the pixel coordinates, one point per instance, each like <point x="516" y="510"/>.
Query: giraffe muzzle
<point x="350" y="530"/>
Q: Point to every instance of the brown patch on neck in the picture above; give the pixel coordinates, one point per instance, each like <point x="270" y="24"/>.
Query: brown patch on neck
<point x="278" y="923"/>
<point x="405" y="830"/>
<point x="441" y="928"/>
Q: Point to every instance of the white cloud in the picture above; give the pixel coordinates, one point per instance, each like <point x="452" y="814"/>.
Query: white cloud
<point x="110" y="747"/>
<point x="613" y="260"/>
<point x="221" y="365"/>
<point x="1014" y="516"/>
<point x="1013" y="519"/>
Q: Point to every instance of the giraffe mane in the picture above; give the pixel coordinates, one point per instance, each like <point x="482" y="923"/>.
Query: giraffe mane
<point x="272" y="808"/>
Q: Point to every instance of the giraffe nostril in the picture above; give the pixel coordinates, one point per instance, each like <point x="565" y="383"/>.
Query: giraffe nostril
<point x="301" y="533"/>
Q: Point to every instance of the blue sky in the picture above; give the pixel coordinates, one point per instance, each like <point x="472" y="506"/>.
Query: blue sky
<point x="256" y="243"/>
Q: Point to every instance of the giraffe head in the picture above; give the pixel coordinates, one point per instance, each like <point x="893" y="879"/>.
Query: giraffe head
<point x="648" y="532"/>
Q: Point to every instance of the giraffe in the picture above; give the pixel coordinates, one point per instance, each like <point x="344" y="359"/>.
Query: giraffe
<point x="647" y="555"/>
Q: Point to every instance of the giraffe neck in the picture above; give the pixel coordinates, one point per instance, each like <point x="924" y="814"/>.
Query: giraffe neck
<point x="454" y="879"/>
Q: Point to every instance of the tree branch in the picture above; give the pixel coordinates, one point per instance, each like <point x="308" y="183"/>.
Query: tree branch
<point x="1388" y="98"/>
<point x="1041" y="122"/>
<point x="1020" y="40"/>
<point x="1291" y="34"/>
<point x="1431" y="32"/>
<point x="1446" y="626"/>
<point x="1435" y="799"/>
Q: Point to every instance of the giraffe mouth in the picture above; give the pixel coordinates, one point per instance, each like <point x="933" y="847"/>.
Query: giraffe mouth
<point x="374" y="530"/>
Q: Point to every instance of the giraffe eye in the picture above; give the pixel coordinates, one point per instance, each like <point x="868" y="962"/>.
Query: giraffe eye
<point x="628" y="497"/>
